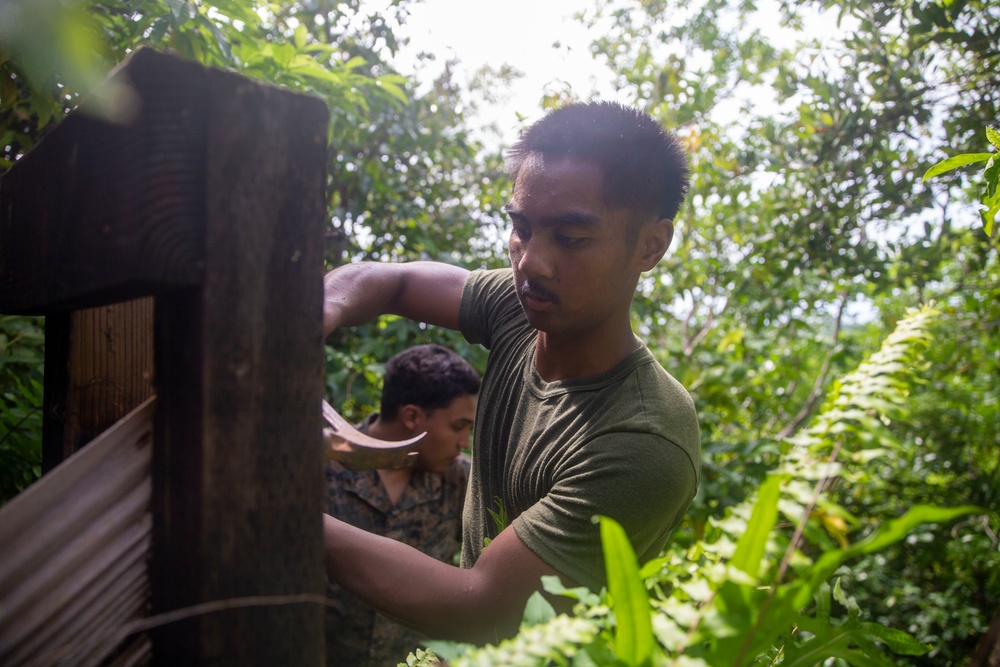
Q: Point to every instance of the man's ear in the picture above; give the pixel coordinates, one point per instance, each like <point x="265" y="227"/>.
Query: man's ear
<point x="411" y="416"/>
<point x="654" y="239"/>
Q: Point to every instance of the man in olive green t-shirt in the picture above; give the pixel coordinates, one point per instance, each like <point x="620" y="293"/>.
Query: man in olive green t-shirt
<point x="623" y="443"/>
<point x="575" y="416"/>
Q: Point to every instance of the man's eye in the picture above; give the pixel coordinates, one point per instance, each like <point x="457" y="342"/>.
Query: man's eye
<point x="522" y="232"/>
<point x="571" y="241"/>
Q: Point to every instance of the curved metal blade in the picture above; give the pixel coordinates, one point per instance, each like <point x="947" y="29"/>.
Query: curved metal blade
<point x="357" y="451"/>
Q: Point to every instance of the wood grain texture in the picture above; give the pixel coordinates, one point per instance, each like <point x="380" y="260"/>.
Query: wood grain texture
<point x="211" y="199"/>
<point x="111" y="211"/>
<point x="239" y="375"/>
<point x="98" y="367"/>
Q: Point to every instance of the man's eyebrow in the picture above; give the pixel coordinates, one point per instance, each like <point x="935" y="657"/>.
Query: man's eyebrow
<point x="568" y="218"/>
<point x="577" y="218"/>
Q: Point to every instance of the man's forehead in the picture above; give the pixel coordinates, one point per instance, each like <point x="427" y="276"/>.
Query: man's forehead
<point x="539" y="161"/>
<point x="561" y="172"/>
<point x="573" y="185"/>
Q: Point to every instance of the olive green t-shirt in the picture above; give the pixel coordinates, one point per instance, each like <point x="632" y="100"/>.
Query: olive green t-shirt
<point x="623" y="444"/>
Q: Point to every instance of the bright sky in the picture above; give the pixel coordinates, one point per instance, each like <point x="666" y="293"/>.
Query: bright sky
<point x="541" y="39"/>
<point x="520" y="33"/>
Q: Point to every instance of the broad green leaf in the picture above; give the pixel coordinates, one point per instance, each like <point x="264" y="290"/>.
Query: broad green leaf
<point x="954" y="162"/>
<point x="235" y="9"/>
<point x="629" y="599"/>
<point x="823" y="603"/>
<point x="991" y="176"/>
<point x="393" y="89"/>
<point x="653" y="567"/>
<point x="897" y="640"/>
<point x="989" y="218"/>
<point x="554" y="585"/>
<point x="896" y="529"/>
<point x="304" y="65"/>
<point x="750" y="549"/>
<point x="354" y="63"/>
<point x="301" y="37"/>
<point x="885" y="535"/>
<point x="993" y="136"/>
<point x="537" y="610"/>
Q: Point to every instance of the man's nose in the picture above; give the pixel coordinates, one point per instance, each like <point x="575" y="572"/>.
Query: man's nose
<point x="536" y="259"/>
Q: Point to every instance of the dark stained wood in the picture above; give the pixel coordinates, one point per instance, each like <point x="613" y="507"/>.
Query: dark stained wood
<point x="211" y="200"/>
<point x="239" y="378"/>
<point x="112" y="211"/>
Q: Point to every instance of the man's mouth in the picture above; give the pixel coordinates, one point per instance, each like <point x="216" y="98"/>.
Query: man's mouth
<point x="536" y="297"/>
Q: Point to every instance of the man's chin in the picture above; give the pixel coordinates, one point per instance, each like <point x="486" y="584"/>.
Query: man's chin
<point x="538" y="320"/>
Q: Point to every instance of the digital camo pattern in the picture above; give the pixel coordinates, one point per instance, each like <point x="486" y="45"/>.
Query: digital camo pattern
<point x="428" y="517"/>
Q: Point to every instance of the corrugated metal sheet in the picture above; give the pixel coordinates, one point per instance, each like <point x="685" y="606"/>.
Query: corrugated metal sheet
<point x="74" y="554"/>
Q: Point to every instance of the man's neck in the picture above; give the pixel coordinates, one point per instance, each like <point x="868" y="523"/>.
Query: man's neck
<point x="395" y="481"/>
<point x="572" y="357"/>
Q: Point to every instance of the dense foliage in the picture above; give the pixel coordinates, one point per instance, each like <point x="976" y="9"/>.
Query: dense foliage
<point x="761" y="585"/>
<point x="21" y="363"/>
<point x="848" y="439"/>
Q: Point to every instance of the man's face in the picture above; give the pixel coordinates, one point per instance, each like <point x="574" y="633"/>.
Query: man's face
<point x="448" y="430"/>
<point x="573" y="267"/>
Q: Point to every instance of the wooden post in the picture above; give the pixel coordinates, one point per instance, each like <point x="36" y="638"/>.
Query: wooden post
<point x="211" y="199"/>
<point x="241" y="369"/>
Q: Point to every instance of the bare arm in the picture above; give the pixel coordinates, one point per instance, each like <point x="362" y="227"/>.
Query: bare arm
<point x="481" y="604"/>
<point x="428" y="292"/>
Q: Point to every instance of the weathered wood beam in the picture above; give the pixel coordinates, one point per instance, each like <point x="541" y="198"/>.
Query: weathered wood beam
<point x="211" y="199"/>
<point x="111" y="210"/>
<point x="239" y="377"/>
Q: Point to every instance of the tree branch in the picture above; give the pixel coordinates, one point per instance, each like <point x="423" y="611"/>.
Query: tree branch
<point x="817" y="389"/>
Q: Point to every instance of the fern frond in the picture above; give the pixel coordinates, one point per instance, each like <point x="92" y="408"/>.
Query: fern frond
<point x="556" y="641"/>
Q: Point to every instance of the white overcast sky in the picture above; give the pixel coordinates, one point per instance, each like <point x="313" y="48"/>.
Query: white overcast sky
<point x="520" y="33"/>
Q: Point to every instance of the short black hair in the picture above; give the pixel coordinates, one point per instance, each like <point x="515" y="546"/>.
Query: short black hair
<point x="645" y="167"/>
<point x="429" y="376"/>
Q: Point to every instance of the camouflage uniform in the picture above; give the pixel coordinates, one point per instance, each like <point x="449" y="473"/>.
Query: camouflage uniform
<point x="427" y="517"/>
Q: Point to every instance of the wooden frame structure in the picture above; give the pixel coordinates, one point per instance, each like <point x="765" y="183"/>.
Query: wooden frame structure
<point x="207" y="204"/>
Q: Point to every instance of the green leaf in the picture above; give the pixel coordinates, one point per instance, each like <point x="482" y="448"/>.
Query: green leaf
<point x="991" y="176"/>
<point x="305" y="66"/>
<point x="989" y="218"/>
<point x="393" y="89"/>
<point x="750" y="549"/>
<point x="537" y="610"/>
<point x="897" y="640"/>
<point x="896" y="529"/>
<point x="629" y="599"/>
<point x="300" y="37"/>
<point x="236" y="9"/>
<point x="822" y="598"/>
<point x="554" y="585"/>
<point x="354" y="63"/>
<point x="653" y="567"/>
<point x="954" y="162"/>
<point x="993" y="136"/>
